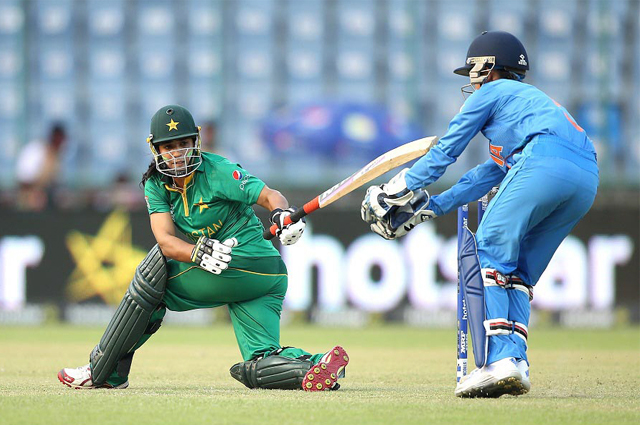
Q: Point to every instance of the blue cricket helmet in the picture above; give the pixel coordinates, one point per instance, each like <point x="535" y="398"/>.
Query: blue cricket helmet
<point x="499" y="48"/>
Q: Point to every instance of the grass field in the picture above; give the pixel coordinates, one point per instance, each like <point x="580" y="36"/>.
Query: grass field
<point x="397" y="375"/>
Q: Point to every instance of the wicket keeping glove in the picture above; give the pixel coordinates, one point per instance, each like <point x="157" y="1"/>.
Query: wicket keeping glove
<point x="401" y="220"/>
<point x="212" y="255"/>
<point x="380" y="199"/>
<point x="290" y="233"/>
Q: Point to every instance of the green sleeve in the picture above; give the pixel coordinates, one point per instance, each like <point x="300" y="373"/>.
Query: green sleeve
<point x="156" y="197"/>
<point x="239" y="185"/>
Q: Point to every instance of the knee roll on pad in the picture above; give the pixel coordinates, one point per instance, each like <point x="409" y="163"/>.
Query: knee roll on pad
<point x="273" y="372"/>
<point x="131" y="319"/>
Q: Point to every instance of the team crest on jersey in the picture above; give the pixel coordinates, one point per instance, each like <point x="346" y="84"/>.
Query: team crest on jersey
<point x="237" y="175"/>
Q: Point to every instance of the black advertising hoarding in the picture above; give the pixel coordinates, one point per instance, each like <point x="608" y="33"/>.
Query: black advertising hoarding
<point x="68" y="258"/>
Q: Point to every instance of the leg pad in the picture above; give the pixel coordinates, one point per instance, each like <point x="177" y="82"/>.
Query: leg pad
<point x="131" y="319"/>
<point x="272" y="372"/>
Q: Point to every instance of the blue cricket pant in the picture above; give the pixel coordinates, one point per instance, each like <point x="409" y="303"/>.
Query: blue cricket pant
<point x="540" y="200"/>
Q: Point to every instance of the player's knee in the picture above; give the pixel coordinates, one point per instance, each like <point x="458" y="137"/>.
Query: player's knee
<point x="148" y="284"/>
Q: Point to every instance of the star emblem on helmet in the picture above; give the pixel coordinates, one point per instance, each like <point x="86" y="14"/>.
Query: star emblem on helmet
<point x="173" y="125"/>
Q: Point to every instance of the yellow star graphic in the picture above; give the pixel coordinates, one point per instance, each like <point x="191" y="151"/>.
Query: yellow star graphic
<point x="105" y="263"/>
<point x="202" y="205"/>
<point x="173" y="125"/>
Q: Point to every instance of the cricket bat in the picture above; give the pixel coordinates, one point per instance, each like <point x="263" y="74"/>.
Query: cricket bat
<point x="385" y="162"/>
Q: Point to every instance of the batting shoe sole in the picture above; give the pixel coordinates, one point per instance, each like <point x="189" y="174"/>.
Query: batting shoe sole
<point x="87" y="384"/>
<point x="323" y="376"/>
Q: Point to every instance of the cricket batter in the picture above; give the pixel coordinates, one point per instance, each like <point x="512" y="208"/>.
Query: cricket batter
<point x="226" y="262"/>
<point x="548" y="175"/>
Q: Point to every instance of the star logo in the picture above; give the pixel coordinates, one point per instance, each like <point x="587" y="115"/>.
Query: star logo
<point x="173" y="125"/>
<point x="202" y="205"/>
<point x="105" y="263"/>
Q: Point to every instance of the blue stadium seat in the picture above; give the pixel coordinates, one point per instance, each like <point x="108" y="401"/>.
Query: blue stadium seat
<point x="107" y="63"/>
<point x="305" y="22"/>
<point x="54" y="19"/>
<point x="205" y="19"/>
<point x="106" y="20"/>
<point x="302" y="92"/>
<point x="205" y="99"/>
<point x="510" y="16"/>
<point x="604" y="49"/>
<point x="456" y="29"/>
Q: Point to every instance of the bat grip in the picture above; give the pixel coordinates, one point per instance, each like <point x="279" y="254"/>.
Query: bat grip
<point x="292" y="218"/>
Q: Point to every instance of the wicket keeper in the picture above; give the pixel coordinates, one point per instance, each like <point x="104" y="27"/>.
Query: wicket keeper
<point x="548" y="175"/>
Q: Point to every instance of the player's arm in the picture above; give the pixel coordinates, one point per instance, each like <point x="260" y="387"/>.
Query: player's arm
<point x="399" y="191"/>
<point x="274" y="201"/>
<point x="476" y="183"/>
<point x="165" y="233"/>
<point x="463" y="127"/>
<point x="210" y="254"/>
<point x="270" y="199"/>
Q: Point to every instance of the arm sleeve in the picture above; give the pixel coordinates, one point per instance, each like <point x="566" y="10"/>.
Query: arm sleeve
<point x="476" y="183"/>
<point x="463" y="127"/>
<point x="155" y="198"/>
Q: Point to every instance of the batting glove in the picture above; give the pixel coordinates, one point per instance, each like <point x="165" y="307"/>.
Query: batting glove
<point x="290" y="233"/>
<point x="212" y="255"/>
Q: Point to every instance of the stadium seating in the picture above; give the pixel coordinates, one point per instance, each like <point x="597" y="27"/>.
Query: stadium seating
<point x="91" y="64"/>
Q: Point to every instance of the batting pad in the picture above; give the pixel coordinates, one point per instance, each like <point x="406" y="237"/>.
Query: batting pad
<point x="272" y="372"/>
<point x="130" y="320"/>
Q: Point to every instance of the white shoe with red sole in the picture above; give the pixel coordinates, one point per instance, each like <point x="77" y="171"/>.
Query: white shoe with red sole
<point x="80" y="378"/>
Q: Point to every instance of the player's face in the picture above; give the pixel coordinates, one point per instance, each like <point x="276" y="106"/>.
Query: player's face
<point x="175" y="152"/>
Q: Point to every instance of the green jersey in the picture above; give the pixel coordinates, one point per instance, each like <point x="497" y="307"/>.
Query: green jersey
<point x="215" y="203"/>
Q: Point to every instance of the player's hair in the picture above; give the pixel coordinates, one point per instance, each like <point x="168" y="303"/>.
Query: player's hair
<point x="149" y="173"/>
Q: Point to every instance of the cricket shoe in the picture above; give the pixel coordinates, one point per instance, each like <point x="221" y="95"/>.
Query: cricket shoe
<point x="492" y="381"/>
<point x="80" y="378"/>
<point x="523" y="367"/>
<point x="324" y="375"/>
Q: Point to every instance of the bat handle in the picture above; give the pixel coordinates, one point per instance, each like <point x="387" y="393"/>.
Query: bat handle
<point x="292" y="218"/>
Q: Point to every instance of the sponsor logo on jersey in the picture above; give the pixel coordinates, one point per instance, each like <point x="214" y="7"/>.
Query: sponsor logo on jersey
<point x="237" y="175"/>
<point x="244" y="181"/>
<point x="496" y="154"/>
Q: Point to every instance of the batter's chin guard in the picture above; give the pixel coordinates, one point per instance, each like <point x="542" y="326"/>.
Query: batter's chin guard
<point x="472" y="285"/>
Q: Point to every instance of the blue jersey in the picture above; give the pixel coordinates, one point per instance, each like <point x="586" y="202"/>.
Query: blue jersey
<point x="510" y="114"/>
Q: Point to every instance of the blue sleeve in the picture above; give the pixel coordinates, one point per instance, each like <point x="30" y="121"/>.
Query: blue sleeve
<point x="476" y="183"/>
<point x="463" y="127"/>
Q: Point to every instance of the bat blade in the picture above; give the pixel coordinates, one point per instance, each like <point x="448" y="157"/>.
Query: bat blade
<point x="382" y="164"/>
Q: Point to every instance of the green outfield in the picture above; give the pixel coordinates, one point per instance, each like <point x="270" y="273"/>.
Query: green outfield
<point x="397" y="375"/>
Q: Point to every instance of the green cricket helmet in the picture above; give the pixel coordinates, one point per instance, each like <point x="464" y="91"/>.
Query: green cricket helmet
<point x="174" y="122"/>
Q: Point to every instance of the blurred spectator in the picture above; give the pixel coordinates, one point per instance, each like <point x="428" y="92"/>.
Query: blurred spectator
<point x="208" y="135"/>
<point x="341" y="131"/>
<point x="123" y="194"/>
<point x="37" y="170"/>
